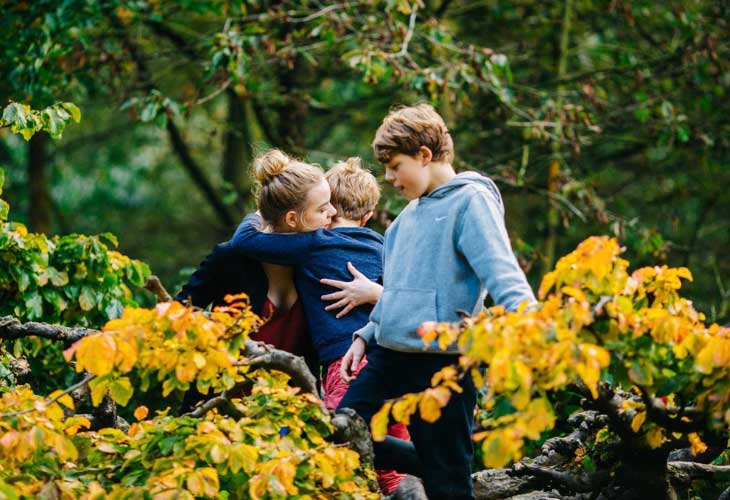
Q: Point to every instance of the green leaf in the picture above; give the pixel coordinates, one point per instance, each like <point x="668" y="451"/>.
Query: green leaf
<point x="34" y="304"/>
<point x="121" y="390"/>
<point x="149" y="112"/>
<point x="23" y="279"/>
<point x="2" y="180"/>
<point x="137" y="273"/>
<point x="110" y="238"/>
<point x="7" y="492"/>
<point x="114" y="309"/>
<point x="73" y="110"/>
<point x="98" y="387"/>
<point x="54" y="121"/>
<point x="87" y="299"/>
<point x="55" y="298"/>
<point x="683" y="134"/>
<point x="58" y="278"/>
<point x="4" y="209"/>
<point x="639" y="374"/>
<point x="672" y="384"/>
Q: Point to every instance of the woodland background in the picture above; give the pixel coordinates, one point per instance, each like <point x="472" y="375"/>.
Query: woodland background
<point x="593" y="117"/>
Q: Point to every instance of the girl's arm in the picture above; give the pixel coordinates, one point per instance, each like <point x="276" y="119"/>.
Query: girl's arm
<point x="288" y="249"/>
<point x="352" y="293"/>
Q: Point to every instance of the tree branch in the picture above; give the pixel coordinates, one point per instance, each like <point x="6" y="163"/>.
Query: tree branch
<point x="179" y="146"/>
<point x="692" y="470"/>
<point x="262" y="355"/>
<point x="563" y="481"/>
<point x="11" y="329"/>
<point x="49" y="402"/>
<point x="155" y="286"/>
<point x="671" y="420"/>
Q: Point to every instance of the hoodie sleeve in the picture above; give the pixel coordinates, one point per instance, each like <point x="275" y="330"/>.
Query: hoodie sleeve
<point x="367" y="333"/>
<point x="276" y="248"/>
<point x="482" y="239"/>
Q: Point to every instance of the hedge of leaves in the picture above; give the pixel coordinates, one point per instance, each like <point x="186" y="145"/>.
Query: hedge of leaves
<point x="73" y="280"/>
<point x="272" y="445"/>
<point x="596" y="323"/>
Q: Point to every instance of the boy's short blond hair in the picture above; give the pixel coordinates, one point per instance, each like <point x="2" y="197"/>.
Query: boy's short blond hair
<point x="406" y="129"/>
<point x="355" y="191"/>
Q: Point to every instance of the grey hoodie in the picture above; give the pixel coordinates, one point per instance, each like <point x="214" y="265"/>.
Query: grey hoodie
<point x="442" y="254"/>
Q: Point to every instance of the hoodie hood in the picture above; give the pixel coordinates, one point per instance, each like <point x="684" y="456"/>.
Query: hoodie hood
<point x="464" y="179"/>
<point x="443" y="253"/>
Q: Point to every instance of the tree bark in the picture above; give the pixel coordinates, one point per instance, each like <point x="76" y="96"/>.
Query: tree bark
<point x="555" y="163"/>
<point x="180" y="148"/>
<point x="39" y="213"/>
<point x="237" y="150"/>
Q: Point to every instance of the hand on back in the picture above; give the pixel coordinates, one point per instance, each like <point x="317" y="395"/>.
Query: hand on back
<point x="352" y="293"/>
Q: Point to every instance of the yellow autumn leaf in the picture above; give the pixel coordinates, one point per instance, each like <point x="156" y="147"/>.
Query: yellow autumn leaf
<point x="405" y="407"/>
<point x="638" y="421"/>
<point x="379" y="422"/>
<point x="218" y="454"/>
<point x="203" y="482"/>
<point x="286" y="472"/>
<point x="696" y="445"/>
<point x="655" y="437"/>
<point x="98" y="387"/>
<point x="547" y="283"/>
<point x="140" y="413"/>
<point x="432" y="401"/>
<point x="704" y="360"/>
<point x="96" y="354"/>
<point x="64" y="400"/>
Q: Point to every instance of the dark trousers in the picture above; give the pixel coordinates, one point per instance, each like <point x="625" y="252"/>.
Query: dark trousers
<point x="440" y="452"/>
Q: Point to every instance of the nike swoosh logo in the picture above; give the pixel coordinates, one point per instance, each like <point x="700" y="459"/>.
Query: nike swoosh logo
<point x="441" y="218"/>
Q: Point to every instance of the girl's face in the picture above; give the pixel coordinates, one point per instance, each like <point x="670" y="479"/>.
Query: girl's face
<point x="317" y="213"/>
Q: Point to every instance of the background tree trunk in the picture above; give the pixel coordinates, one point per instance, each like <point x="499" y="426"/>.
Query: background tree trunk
<point x="237" y="153"/>
<point x="39" y="212"/>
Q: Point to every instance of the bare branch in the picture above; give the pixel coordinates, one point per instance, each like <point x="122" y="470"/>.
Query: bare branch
<point x="155" y="286"/>
<point x="409" y="34"/>
<point x="695" y="470"/>
<point x="262" y="355"/>
<point x="578" y="483"/>
<point x="215" y="402"/>
<point x="11" y="329"/>
<point x="671" y="419"/>
<point x="322" y="12"/>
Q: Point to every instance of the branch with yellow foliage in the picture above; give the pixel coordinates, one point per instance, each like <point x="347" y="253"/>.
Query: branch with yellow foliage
<point x="627" y="342"/>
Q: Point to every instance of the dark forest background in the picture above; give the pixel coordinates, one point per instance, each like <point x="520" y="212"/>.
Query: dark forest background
<point x="593" y="117"/>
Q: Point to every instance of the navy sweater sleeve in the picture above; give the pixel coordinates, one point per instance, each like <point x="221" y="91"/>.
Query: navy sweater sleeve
<point x="276" y="248"/>
<point x="225" y="271"/>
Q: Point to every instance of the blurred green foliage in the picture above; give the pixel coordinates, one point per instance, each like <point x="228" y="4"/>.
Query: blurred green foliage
<point x="631" y="110"/>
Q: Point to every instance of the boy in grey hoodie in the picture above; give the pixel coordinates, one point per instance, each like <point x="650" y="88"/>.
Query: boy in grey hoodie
<point x="443" y="253"/>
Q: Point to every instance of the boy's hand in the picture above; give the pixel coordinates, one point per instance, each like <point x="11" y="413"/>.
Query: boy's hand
<point x="352" y="293"/>
<point x="351" y="360"/>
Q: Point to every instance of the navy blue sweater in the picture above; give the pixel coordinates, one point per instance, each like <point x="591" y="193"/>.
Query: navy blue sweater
<point x="319" y="254"/>
<point x="225" y="271"/>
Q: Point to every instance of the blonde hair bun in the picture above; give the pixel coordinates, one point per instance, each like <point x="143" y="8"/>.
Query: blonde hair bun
<point x="270" y="164"/>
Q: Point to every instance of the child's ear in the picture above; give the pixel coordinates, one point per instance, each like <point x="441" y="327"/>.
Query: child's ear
<point x="426" y="155"/>
<point x="290" y="219"/>
<point x="365" y="218"/>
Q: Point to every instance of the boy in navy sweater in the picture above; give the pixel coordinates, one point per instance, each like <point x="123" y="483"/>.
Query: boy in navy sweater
<point x="325" y="253"/>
